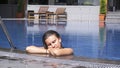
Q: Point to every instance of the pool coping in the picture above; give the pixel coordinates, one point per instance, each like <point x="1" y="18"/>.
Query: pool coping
<point x="16" y="54"/>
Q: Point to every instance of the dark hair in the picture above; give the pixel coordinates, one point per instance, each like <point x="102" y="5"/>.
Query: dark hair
<point x="47" y="34"/>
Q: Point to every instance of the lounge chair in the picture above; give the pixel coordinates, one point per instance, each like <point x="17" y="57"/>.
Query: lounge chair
<point x="43" y="9"/>
<point x="59" y="13"/>
<point x="31" y="14"/>
<point x="41" y="12"/>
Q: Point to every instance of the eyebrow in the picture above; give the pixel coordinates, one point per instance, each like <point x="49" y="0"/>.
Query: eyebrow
<point x="52" y="42"/>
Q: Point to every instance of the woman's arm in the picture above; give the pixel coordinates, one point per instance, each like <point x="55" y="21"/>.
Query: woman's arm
<point x="52" y="51"/>
<point x="60" y="52"/>
<point x="34" y="49"/>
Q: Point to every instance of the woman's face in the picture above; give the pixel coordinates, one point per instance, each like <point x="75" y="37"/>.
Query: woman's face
<point x="53" y="42"/>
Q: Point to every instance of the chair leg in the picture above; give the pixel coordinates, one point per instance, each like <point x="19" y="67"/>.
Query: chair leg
<point x="56" y="17"/>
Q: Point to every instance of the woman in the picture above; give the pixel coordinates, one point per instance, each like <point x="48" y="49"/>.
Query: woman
<point x="52" y="45"/>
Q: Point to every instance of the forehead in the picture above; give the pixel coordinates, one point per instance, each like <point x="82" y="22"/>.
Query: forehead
<point x="50" y="38"/>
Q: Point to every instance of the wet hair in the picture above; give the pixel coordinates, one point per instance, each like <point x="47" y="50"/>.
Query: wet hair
<point x="47" y="34"/>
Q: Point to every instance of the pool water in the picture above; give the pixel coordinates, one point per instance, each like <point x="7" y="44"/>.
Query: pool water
<point x="86" y="38"/>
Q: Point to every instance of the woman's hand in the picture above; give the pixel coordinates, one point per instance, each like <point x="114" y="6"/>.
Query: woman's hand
<point x="54" y="51"/>
<point x="60" y="52"/>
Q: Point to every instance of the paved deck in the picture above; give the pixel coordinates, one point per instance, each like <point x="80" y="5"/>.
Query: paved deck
<point x="113" y="17"/>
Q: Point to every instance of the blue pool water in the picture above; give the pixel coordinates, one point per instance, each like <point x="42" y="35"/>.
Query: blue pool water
<point x="85" y="37"/>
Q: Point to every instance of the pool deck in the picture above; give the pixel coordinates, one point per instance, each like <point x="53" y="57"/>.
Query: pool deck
<point x="113" y="17"/>
<point x="17" y="59"/>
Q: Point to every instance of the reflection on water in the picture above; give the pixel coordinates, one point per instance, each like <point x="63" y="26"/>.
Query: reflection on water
<point x="109" y="42"/>
<point x="86" y="38"/>
<point x="112" y="48"/>
<point x="35" y="31"/>
<point x="102" y="38"/>
<point x="44" y="26"/>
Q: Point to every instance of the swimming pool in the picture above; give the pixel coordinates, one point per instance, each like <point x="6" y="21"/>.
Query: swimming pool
<point x="85" y="37"/>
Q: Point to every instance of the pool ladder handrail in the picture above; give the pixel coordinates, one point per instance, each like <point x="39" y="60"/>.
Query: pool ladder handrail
<point x="7" y="34"/>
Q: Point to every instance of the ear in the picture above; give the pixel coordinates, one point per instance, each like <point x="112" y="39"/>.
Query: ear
<point x="60" y="40"/>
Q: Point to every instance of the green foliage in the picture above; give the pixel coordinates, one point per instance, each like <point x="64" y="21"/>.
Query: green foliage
<point x="20" y="5"/>
<point x="87" y="2"/>
<point x="102" y="7"/>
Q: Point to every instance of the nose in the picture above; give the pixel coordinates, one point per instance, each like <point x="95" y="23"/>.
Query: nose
<point x="53" y="45"/>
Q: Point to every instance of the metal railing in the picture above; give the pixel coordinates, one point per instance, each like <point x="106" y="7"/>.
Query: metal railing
<point x="7" y="34"/>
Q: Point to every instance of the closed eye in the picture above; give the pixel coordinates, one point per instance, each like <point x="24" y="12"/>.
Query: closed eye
<point x="54" y="41"/>
<point x="49" y="44"/>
